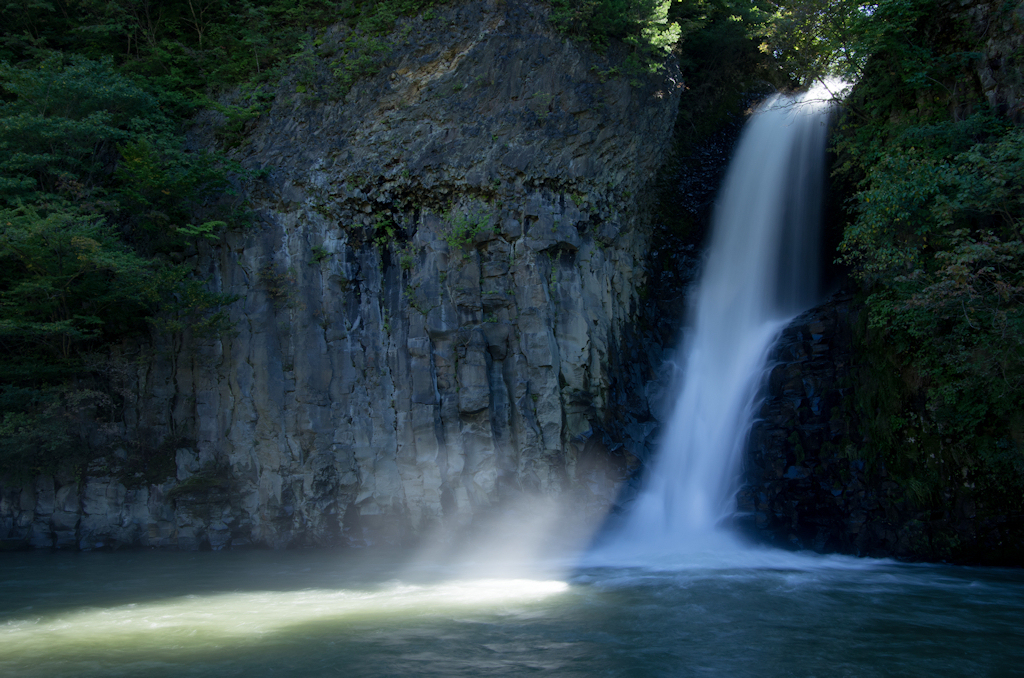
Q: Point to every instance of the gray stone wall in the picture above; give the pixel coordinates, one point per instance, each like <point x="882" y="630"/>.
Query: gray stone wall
<point x="441" y="267"/>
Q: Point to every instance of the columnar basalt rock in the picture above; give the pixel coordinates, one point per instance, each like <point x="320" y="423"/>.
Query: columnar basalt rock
<point x="439" y="269"/>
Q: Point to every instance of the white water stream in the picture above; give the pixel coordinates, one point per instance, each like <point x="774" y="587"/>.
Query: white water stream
<point x="761" y="271"/>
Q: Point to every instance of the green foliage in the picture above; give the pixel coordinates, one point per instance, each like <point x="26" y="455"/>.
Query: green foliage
<point x="320" y="253"/>
<point x="69" y="286"/>
<point x="902" y="42"/>
<point x="180" y="45"/>
<point x="35" y="435"/>
<point x="76" y="131"/>
<point x="67" y="281"/>
<point x="360" y="57"/>
<point x="188" y="306"/>
<point x="642" y="24"/>
<point x="927" y="181"/>
<point x="60" y="122"/>
<point x="164" y="192"/>
<point x="368" y="40"/>
<point x="955" y="328"/>
<point x="935" y="240"/>
<point x="967" y="319"/>
<point x="232" y="132"/>
<point x="383" y="229"/>
<point x="94" y="181"/>
<point x="462" y="228"/>
<point x="813" y="39"/>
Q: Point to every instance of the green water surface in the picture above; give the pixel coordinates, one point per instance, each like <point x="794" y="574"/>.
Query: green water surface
<point x="344" y="613"/>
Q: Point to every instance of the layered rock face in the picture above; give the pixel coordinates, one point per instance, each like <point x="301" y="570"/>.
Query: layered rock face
<point x="430" y="300"/>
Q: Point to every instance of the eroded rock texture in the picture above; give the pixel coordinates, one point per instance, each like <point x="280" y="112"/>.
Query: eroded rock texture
<point x="441" y="268"/>
<point x="805" y="487"/>
<point x="1000" y="26"/>
<point x="811" y="481"/>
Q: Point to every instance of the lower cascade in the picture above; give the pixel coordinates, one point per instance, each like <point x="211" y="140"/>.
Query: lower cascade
<point x="761" y="271"/>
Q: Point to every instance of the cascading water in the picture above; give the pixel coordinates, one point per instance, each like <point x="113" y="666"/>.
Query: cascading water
<point x="761" y="271"/>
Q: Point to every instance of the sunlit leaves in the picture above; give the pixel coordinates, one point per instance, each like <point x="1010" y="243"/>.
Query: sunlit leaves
<point x="818" y="38"/>
<point x="646" y="25"/>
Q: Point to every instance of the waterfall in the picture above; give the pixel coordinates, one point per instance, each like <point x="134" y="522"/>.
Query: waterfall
<point x="761" y="271"/>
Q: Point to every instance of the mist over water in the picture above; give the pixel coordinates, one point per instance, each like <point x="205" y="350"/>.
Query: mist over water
<point x="761" y="271"/>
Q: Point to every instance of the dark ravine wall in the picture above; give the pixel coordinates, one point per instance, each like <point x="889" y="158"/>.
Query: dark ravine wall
<point x="810" y="485"/>
<point x="442" y="270"/>
<point x="805" y="487"/>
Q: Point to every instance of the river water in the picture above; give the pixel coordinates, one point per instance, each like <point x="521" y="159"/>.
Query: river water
<point x="350" y="613"/>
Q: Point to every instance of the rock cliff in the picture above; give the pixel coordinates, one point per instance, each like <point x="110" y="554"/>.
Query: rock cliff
<point x="805" y="486"/>
<point x="811" y="482"/>
<point x="1000" y="29"/>
<point x="441" y="269"/>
